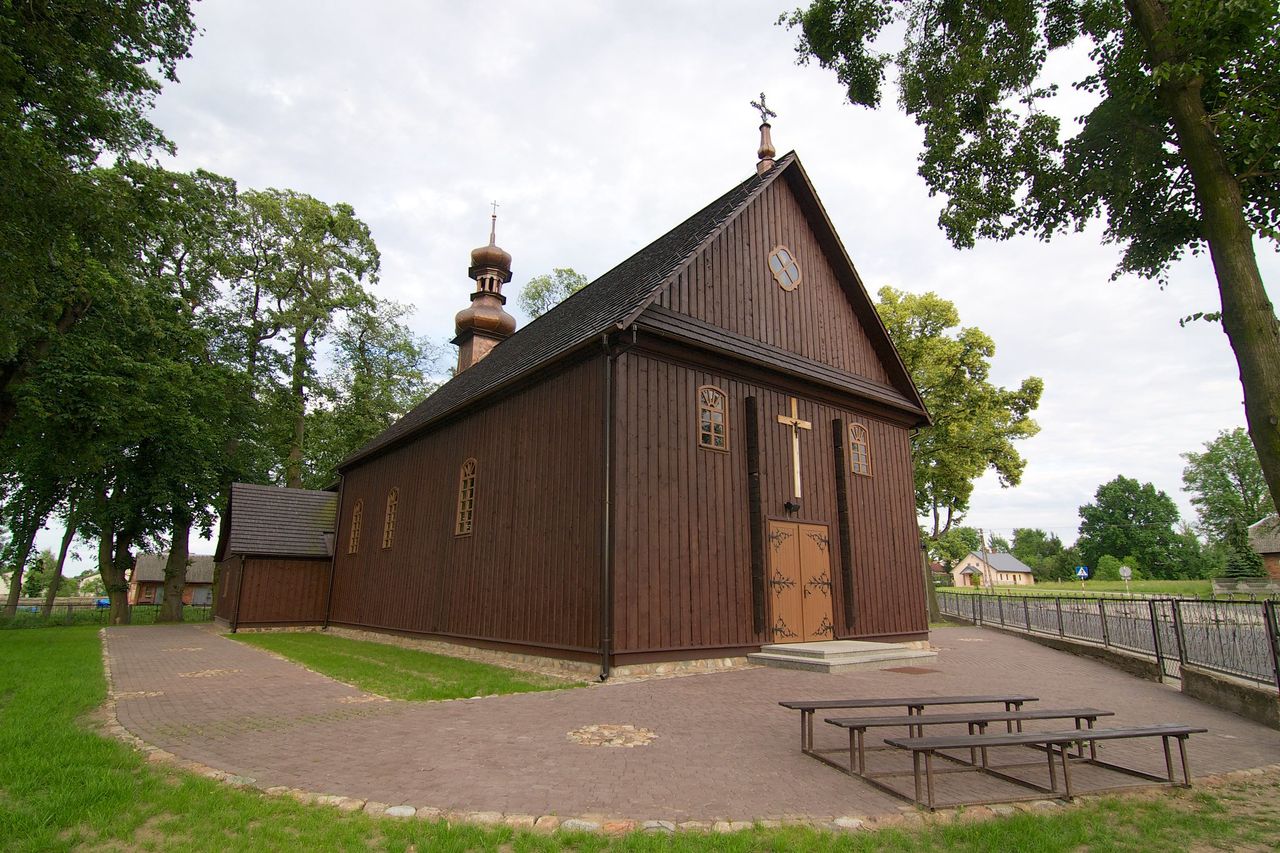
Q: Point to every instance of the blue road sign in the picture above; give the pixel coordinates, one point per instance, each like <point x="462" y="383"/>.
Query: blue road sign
<point x="1082" y="572"/>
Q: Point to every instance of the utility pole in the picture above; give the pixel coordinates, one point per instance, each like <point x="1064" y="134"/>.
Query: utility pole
<point x="986" y="566"/>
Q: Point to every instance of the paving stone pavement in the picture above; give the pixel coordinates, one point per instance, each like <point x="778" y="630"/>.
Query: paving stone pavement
<point x="723" y="749"/>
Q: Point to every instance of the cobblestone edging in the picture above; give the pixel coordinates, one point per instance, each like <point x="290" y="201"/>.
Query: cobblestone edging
<point x="906" y="816"/>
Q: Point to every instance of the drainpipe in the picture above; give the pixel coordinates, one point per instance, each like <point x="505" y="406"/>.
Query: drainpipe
<point x="611" y="354"/>
<point x="235" y="621"/>
<point x="333" y="558"/>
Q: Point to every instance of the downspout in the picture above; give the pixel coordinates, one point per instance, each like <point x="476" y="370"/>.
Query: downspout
<point x="333" y="558"/>
<point x="606" y="525"/>
<point x="235" y="621"/>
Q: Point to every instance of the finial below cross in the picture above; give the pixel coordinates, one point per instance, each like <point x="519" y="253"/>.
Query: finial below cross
<point x="494" y="205"/>
<point x="765" y="112"/>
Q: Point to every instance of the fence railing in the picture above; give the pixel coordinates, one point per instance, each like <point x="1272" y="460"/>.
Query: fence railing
<point x="1237" y="638"/>
<point x="80" y="613"/>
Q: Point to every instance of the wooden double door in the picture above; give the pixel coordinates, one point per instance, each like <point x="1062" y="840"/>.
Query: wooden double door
<point x="800" y="582"/>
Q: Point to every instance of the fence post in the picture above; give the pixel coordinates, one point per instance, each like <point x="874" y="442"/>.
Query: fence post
<point x="1155" y="635"/>
<point x="1102" y="616"/>
<point x="1062" y="632"/>
<point x="1269" y="613"/>
<point x="1026" y="611"/>
<point x="1000" y="608"/>
<point x="1177" y="631"/>
<point x="973" y="608"/>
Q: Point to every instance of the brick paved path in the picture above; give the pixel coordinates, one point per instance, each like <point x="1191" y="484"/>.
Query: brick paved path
<point x="724" y="750"/>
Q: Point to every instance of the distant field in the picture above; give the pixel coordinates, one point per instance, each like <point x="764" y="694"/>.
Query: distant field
<point x="1176" y="589"/>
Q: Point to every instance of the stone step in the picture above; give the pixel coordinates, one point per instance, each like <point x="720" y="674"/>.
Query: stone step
<point x="839" y="655"/>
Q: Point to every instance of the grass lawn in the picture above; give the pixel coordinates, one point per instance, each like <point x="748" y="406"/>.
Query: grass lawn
<point x="398" y="673"/>
<point x="1174" y="589"/>
<point x="63" y="787"/>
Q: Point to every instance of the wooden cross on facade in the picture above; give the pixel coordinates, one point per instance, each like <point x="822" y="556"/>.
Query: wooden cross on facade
<point x="796" y="425"/>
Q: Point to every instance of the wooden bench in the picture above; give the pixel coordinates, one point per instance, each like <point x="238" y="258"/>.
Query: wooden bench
<point x="913" y="704"/>
<point x="1056" y="745"/>
<point x="915" y="724"/>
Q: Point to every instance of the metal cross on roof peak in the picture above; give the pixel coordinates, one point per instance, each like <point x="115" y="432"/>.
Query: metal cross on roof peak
<point x="765" y="112"/>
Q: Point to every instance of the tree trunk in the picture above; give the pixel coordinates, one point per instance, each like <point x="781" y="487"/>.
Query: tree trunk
<point x="115" y="578"/>
<point x="175" y="570"/>
<point x="19" y="566"/>
<point x="67" y="536"/>
<point x="1247" y="314"/>
<point x="293" y="466"/>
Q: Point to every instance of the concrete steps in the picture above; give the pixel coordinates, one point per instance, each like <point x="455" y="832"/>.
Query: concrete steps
<point x="840" y="655"/>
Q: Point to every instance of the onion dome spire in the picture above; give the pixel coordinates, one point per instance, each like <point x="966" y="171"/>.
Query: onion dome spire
<point x="766" y="153"/>
<point x="485" y="323"/>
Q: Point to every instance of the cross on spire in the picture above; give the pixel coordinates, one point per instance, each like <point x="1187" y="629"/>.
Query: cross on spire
<point x="765" y="112"/>
<point x="493" y="224"/>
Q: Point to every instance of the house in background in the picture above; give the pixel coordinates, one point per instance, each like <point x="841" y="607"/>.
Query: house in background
<point x="1264" y="537"/>
<point x="994" y="569"/>
<point x="147" y="586"/>
<point x="274" y="556"/>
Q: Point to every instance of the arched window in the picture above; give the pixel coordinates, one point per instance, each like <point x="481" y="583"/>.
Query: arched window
<point x="357" y="519"/>
<point x="859" y="450"/>
<point x="785" y="268"/>
<point x="389" y="520"/>
<point x="713" y="418"/>
<point x="466" y="498"/>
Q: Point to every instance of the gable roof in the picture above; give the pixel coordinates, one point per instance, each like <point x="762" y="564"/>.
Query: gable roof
<point x="270" y="521"/>
<point x="150" y="567"/>
<point x="1002" y="562"/>
<point x="616" y="299"/>
<point x="1264" y="535"/>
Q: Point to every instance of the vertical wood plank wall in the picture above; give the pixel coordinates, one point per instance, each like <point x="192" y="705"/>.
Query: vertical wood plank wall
<point x="730" y="285"/>
<point x="682" y="566"/>
<point x="529" y="573"/>
<point x="281" y="590"/>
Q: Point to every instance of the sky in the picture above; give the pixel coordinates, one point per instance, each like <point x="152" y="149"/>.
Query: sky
<point x="598" y="126"/>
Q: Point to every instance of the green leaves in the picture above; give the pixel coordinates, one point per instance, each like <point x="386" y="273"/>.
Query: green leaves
<point x="1132" y="518"/>
<point x="1227" y="487"/>
<point x="544" y="292"/>
<point x="975" y="423"/>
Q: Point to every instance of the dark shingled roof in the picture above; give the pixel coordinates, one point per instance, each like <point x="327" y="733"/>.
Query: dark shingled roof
<point x="150" y="567"/>
<point x="606" y="302"/>
<point x="269" y="521"/>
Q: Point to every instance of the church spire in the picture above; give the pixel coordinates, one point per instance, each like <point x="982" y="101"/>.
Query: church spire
<point x="766" y="152"/>
<point x="485" y="323"/>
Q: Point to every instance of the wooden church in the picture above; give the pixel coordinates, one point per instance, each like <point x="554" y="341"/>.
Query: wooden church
<point x="703" y="451"/>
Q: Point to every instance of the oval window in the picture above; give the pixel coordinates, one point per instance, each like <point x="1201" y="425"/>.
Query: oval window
<point x="785" y="269"/>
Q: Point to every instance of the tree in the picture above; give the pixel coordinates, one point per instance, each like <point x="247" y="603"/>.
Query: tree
<point x="952" y="546"/>
<point x="545" y="292"/>
<point x="77" y="79"/>
<point x="999" y="543"/>
<point x="1033" y="546"/>
<point x="975" y="423"/>
<point x="1128" y="517"/>
<point x="1181" y="152"/>
<point x="1226" y="485"/>
<point x="315" y="257"/>
<point x="381" y="371"/>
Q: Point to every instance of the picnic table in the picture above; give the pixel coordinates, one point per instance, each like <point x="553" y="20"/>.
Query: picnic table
<point x="914" y="704"/>
<point x="977" y="722"/>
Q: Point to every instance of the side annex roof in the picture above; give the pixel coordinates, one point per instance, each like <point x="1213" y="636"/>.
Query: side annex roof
<point x="615" y="299"/>
<point x="269" y="521"/>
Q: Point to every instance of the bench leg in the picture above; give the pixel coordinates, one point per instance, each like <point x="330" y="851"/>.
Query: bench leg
<point x="928" y="776"/>
<point x="853" y="751"/>
<point x="862" y="752"/>
<point x="1186" y="769"/>
<point x="973" y="752"/>
<point x="1093" y="746"/>
<point x="1053" y="773"/>
<point x="1168" y="760"/>
<point x="915" y="767"/>
<point x="1066" y="771"/>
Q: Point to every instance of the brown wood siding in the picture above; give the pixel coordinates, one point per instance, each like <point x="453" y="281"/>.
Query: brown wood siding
<point x="224" y="591"/>
<point x="281" y="590"/>
<point x="730" y="285"/>
<point x="529" y="572"/>
<point x="682" y="565"/>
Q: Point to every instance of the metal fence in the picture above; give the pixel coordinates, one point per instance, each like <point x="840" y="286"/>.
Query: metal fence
<point x="79" y="613"/>
<point x="1237" y="638"/>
